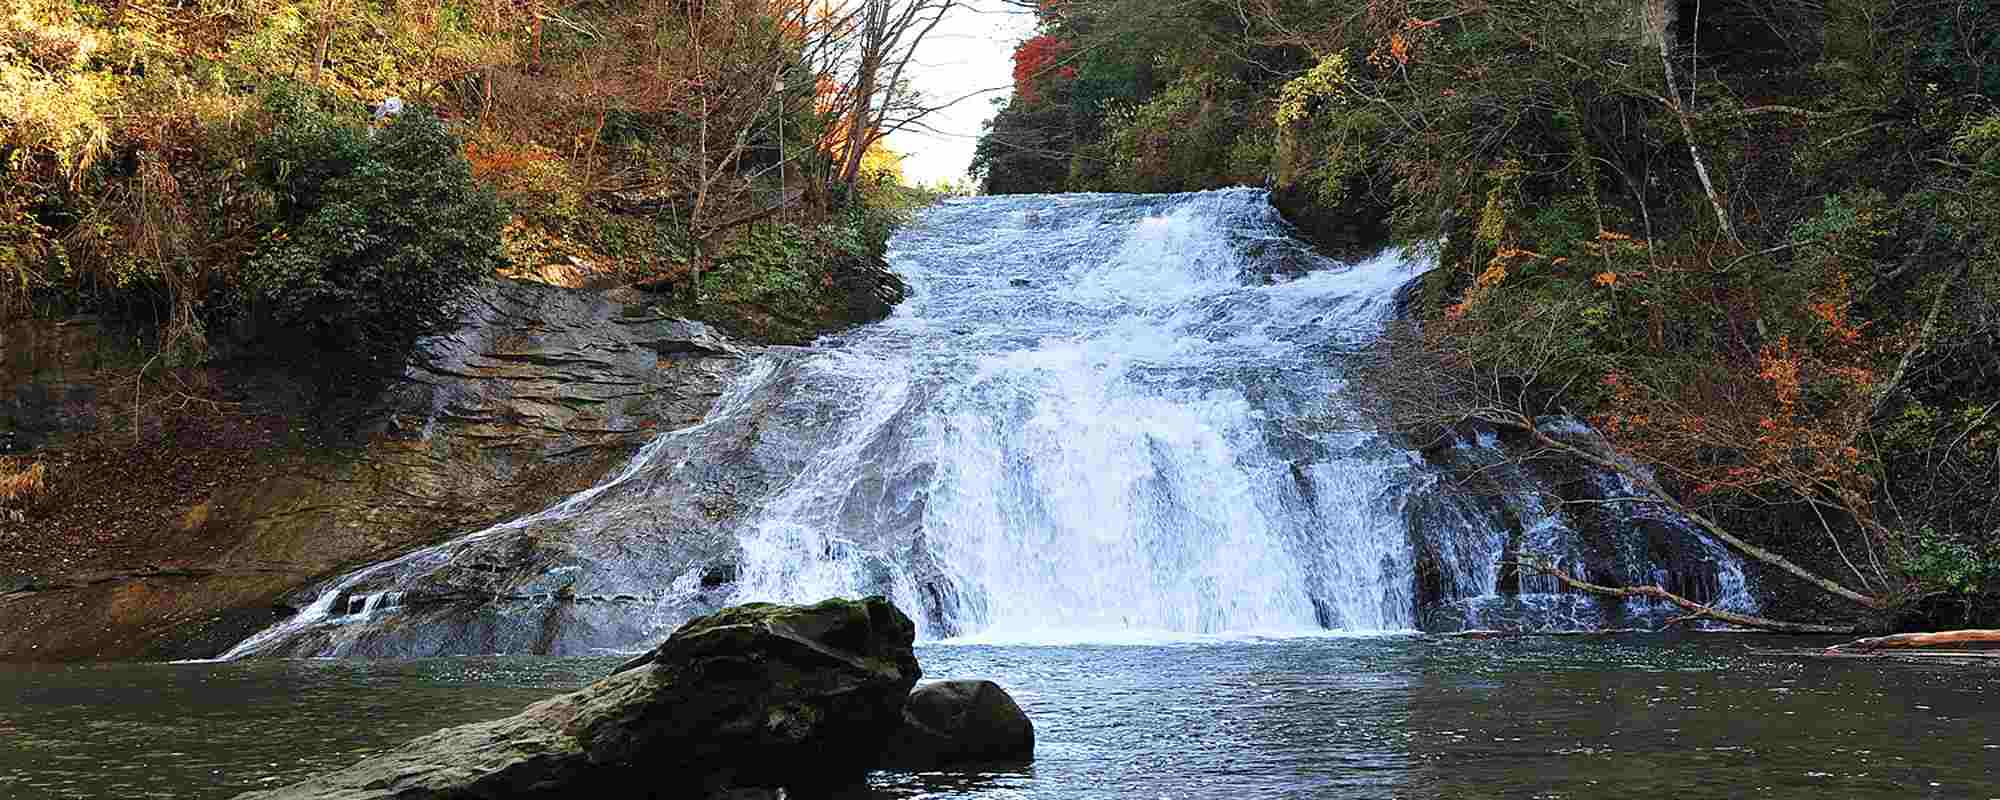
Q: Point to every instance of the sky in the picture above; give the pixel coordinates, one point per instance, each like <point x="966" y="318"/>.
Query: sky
<point x="971" y="50"/>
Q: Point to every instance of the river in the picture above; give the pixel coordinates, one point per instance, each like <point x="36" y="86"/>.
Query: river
<point x="1636" y="716"/>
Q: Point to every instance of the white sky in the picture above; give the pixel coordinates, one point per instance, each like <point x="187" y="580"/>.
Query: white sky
<point x="971" y="50"/>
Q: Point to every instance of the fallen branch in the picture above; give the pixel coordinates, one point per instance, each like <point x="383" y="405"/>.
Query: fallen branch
<point x="1715" y="530"/>
<point x="1907" y="640"/>
<point x="1695" y="610"/>
<point x="1485" y="633"/>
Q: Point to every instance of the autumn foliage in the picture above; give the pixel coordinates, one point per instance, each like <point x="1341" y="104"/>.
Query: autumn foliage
<point x="20" y="480"/>
<point x="1034" y="62"/>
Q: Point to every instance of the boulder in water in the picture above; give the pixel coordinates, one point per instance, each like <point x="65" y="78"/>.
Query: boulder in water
<point x="961" y="722"/>
<point x="795" y="697"/>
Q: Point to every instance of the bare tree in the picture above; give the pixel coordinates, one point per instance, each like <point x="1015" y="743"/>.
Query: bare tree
<point x="881" y="102"/>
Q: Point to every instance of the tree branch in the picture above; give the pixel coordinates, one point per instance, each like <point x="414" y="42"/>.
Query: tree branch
<point x="1695" y="610"/>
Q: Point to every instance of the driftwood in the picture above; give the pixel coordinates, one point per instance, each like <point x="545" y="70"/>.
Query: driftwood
<point x="1695" y="610"/>
<point x="1916" y="640"/>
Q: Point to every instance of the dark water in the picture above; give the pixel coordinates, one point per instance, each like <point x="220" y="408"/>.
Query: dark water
<point x="1399" y="717"/>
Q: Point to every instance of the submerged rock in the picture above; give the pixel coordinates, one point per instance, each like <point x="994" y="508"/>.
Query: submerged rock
<point x="961" y="722"/>
<point x="795" y="697"/>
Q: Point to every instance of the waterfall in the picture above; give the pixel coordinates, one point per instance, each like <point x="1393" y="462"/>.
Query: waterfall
<point x="1108" y="420"/>
<point x="1098" y="417"/>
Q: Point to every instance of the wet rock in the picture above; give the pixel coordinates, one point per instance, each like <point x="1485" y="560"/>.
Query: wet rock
<point x="760" y="696"/>
<point x="961" y="722"/>
<point x="1502" y="500"/>
<point x="1351" y="231"/>
<point x="718" y="575"/>
<point x="47" y="390"/>
<point x="536" y="393"/>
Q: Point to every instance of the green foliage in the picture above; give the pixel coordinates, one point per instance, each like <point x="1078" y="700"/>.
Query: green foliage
<point x="1953" y="565"/>
<point x="774" y="264"/>
<point x="1978" y="141"/>
<point x="203" y="164"/>
<point x="1323" y="82"/>
<point x="1175" y="141"/>
<point x="310" y="146"/>
<point x="379" y="235"/>
<point x="1962" y="48"/>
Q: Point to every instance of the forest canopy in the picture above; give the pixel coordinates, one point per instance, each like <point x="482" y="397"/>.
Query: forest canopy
<point x="242" y="166"/>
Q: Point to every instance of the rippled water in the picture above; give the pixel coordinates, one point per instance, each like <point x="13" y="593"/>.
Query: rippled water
<point x="1401" y="717"/>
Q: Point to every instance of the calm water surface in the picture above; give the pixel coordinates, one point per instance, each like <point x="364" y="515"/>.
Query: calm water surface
<point x="1398" y="717"/>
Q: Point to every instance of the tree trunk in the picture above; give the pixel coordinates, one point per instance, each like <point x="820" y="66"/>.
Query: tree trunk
<point x="857" y="128"/>
<point x="330" y="16"/>
<point x="1687" y="129"/>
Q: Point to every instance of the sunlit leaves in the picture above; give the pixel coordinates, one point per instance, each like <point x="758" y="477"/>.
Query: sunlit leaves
<point x="1321" y="83"/>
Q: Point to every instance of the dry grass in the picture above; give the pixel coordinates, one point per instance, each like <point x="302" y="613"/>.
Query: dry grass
<point x="21" y="481"/>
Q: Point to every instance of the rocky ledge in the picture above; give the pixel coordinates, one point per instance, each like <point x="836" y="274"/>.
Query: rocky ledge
<point x="538" y="392"/>
<point x="801" y="698"/>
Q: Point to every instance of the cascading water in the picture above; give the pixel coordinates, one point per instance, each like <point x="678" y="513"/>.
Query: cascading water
<point x="1612" y="542"/>
<point x="1112" y="425"/>
<point x="1097" y="417"/>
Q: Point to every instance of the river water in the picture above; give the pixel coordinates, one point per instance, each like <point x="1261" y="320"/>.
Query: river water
<point x="1652" y="716"/>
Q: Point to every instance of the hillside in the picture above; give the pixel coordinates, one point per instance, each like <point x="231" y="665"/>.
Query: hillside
<point x="1754" y="243"/>
<point x="291" y="284"/>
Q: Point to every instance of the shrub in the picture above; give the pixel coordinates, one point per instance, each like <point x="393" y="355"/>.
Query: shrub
<point x="21" y="481"/>
<point x="378" y="234"/>
<point x="1951" y="564"/>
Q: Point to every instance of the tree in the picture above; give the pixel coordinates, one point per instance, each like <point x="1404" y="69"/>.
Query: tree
<point x="881" y="103"/>
<point x="379" y="235"/>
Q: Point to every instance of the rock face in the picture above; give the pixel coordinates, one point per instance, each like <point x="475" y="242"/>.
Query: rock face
<point x="1504" y="502"/>
<point x="1353" y="230"/>
<point x="44" y="387"/>
<point x="801" y="698"/>
<point x="537" y="393"/>
<point x="961" y="722"/>
<point x="624" y="565"/>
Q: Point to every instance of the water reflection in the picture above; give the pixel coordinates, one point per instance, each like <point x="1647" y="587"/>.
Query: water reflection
<point x="1399" y="717"/>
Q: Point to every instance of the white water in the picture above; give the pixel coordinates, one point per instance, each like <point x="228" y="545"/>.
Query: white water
<point x="1097" y="418"/>
<point x="1104" y="399"/>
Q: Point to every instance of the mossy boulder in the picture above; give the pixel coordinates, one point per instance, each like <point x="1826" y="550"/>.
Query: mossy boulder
<point x="802" y="698"/>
